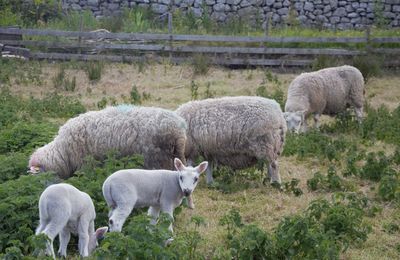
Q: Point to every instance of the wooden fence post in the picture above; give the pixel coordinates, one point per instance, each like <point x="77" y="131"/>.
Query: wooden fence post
<point x="170" y="32"/>
<point x="80" y="31"/>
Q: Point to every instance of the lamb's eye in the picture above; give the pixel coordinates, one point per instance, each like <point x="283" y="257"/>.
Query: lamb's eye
<point x="195" y="179"/>
<point x="181" y="178"/>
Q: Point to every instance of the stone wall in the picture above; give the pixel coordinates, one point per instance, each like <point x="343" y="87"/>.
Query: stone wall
<point x="322" y="13"/>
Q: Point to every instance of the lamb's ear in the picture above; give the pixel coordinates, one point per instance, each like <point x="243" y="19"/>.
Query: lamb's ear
<point x="179" y="164"/>
<point x="100" y="232"/>
<point x="285" y="115"/>
<point x="202" y="167"/>
<point x="302" y="113"/>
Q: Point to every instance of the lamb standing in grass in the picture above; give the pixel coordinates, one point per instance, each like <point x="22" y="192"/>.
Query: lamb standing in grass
<point x="161" y="190"/>
<point x="327" y="91"/>
<point x="63" y="210"/>
<point x="235" y="131"/>
<point x="157" y="134"/>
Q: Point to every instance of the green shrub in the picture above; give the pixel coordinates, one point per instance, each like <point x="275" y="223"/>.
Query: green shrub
<point x="322" y="231"/>
<point x="8" y="17"/>
<point x="324" y="61"/>
<point x="136" y="98"/>
<point x="369" y="65"/>
<point x="94" y="70"/>
<point x="389" y="188"/>
<point x="200" y="64"/>
<point x="376" y="166"/>
<point x="13" y="165"/>
<point x="25" y="136"/>
<point x="291" y="187"/>
<point x="194" y="90"/>
<point x="329" y="182"/>
<point x="314" y="143"/>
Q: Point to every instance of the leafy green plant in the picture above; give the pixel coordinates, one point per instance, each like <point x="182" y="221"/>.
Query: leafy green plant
<point x="329" y="182"/>
<point x="369" y="65"/>
<point x="291" y="187"/>
<point x="94" y="70"/>
<point x="389" y="188"/>
<point x="136" y="98"/>
<point x="200" y="64"/>
<point x="376" y="166"/>
<point x="208" y="93"/>
<point x="194" y="90"/>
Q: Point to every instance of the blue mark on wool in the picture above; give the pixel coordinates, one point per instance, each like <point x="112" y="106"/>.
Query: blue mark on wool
<point x="124" y="107"/>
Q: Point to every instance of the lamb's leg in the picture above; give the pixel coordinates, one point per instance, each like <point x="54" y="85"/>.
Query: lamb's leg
<point x="359" y="114"/>
<point x="52" y="230"/>
<point x="170" y="211"/>
<point x="65" y="235"/>
<point x="273" y="172"/>
<point x="154" y="212"/>
<point x="316" y="120"/>
<point x="83" y="234"/>
<point x="304" y="126"/>
<point x="118" y="217"/>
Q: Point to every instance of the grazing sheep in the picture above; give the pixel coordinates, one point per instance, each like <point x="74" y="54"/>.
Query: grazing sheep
<point x="328" y="91"/>
<point x="161" y="190"/>
<point x="157" y="134"/>
<point x="63" y="210"/>
<point x="235" y="131"/>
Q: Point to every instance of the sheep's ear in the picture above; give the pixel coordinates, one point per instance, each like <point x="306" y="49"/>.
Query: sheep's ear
<point x="100" y="232"/>
<point x="202" y="167"/>
<point x="179" y="164"/>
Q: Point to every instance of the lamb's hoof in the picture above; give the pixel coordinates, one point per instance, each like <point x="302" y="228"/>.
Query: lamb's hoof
<point x="190" y="205"/>
<point x="168" y="241"/>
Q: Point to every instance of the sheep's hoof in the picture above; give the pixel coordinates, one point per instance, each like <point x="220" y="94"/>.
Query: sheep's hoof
<point x="276" y="185"/>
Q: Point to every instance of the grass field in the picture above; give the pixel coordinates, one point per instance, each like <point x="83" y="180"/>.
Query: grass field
<point x="167" y="86"/>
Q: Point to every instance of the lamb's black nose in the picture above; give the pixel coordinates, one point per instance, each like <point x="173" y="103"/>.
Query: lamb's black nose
<point x="187" y="192"/>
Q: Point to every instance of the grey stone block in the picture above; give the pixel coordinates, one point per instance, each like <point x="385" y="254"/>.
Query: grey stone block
<point x="159" y="8"/>
<point x="308" y="6"/>
<point x="283" y="11"/>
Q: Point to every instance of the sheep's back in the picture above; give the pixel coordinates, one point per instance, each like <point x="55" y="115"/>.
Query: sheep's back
<point x="229" y="129"/>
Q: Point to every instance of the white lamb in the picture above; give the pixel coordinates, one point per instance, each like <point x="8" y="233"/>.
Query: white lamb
<point x="160" y="190"/>
<point x="63" y="210"/>
<point x="328" y="91"/>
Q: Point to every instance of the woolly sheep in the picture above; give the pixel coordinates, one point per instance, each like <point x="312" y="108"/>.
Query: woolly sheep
<point x="160" y="190"/>
<point x="158" y="134"/>
<point x="327" y="91"/>
<point x="235" y="131"/>
<point x="63" y="210"/>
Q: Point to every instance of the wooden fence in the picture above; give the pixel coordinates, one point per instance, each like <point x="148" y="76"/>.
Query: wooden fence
<point x="222" y="50"/>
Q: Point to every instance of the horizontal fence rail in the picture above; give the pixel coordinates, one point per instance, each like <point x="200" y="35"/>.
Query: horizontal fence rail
<point x="131" y="47"/>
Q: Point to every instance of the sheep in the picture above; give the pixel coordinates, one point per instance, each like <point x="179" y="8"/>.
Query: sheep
<point x="157" y="134"/>
<point x="160" y="190"/>
<point x="234" y="131"/>
<point x="328" y="91"/>
<point x="63" y="210"/>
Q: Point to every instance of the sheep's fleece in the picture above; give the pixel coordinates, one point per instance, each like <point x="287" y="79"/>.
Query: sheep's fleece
<point x="158" y="134"/>
<point x="327" y="91"/>
<point x="234" y="131"/>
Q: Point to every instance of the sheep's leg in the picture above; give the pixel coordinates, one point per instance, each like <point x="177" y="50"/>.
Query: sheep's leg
<point x="304" y="126"/>
<point x="210" y="179"/>
<point x="273" y="172"/>
<point x="154" y="212"/>
<point x="359" y="114"/>
<point x="83" y="233"/>
<point x="65" y="235"/>
<point x="316" y="120"/>
<point x="170" y="211"/>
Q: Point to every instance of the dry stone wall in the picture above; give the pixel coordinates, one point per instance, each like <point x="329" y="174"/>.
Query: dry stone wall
<point x="322" y="13"/>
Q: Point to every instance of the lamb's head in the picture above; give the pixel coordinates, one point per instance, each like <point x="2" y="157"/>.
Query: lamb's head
<point x="189" y="176"/>
<point x="94" y="237"/>
<point x="295" y="120"/>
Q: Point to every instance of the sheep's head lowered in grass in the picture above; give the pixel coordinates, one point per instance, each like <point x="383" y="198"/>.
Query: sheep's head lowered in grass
<point x="189" y="176"/>
<point x="295" y="121"/>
